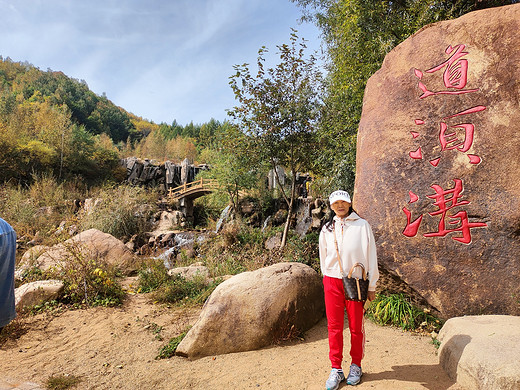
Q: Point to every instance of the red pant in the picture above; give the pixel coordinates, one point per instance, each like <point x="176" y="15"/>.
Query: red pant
<point x="335" y="304"/>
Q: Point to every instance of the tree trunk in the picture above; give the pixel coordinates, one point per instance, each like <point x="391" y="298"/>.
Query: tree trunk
<point x="289" y="213"/>
<point x="277" y="178"/>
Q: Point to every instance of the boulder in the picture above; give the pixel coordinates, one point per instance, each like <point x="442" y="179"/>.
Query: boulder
<point x="254" y="309"/>
<point x="35" y="293"/>
<point x="481" y="352"/>
<point x="438" y="173"/>
<point x="191" y="272"/>
<point x="90" y="204"/>
<point x="92" y="242"/>
<point x="273" y="242"/>
<point x="29" y="260"/>
<point x="168" y="221"/>
<point x="31" y="255"/>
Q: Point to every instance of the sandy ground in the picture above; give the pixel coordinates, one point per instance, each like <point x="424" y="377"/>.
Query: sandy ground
<point x="115" y="348"/>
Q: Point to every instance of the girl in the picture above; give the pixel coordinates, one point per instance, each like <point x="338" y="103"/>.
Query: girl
<point x="349" y="235"/>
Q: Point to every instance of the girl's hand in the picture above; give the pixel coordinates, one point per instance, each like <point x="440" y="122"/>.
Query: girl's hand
<point x="371" y="295"/>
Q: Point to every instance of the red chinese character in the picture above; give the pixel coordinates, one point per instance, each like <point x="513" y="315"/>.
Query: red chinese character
<point x="456" y="72"/>
<point x="455" y="75"/>
<point x="462" y="146"/>
<point x="445" y="200"/>
<point x="445" y="204"/>
<point x="450" y="141"/>
<point x="411" y="227"/>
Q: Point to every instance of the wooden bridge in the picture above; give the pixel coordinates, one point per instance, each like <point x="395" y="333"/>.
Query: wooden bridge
<point x="193" y="190"/>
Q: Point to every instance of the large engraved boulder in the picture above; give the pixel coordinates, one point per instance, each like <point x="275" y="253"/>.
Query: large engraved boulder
<point x="438" y="162"/>
<point x="254" y="309"/>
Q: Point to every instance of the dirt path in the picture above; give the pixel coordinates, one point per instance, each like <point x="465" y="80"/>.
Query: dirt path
<point x="115" y="348"/>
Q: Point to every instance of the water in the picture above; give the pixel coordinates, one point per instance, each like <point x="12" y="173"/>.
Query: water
<point x="181" y="240"/>
<point x="266" y="222"/>
<point x="224" y="215"/>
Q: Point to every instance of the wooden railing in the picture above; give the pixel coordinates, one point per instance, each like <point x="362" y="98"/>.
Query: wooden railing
<point x="194" y="186"/>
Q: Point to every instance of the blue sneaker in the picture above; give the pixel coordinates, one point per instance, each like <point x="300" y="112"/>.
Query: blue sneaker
<point x="335" y="378"/>
<point x="354" y="376"/>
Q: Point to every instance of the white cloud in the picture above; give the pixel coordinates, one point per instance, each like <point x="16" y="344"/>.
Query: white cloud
<point x="160" y="59"/>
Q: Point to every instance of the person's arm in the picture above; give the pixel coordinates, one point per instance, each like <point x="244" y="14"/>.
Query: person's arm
<point x="373" y="270"/>
<point x="322" y="249"/>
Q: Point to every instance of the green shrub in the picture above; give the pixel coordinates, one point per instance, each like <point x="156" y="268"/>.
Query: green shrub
<point x="303" y="249"/>
<point x="396" y="309"/>
<point x="187" y="291"/>
<point x="152" y="275"/>
<point x="250" y="235"/>
<point x="88" y="281"/>
<point x="122" y="212"/>
<point x="169" y="349"/>
<point x="154" y="279"/>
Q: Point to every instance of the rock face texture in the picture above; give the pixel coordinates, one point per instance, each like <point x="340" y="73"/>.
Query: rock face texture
<point x="166" y="175"/>
<point x="254" y="309"/>
<point x="438" y="168"/>
<point x="481" y="352"/>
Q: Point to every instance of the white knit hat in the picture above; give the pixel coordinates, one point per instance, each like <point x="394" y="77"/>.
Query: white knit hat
<point x="339" y="195"/>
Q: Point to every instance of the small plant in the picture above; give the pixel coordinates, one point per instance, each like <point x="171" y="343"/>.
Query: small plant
<point x="48" y="306"/>
<point x="152" y="275"/>
<point x="169" y="349"/>
<point x="30" y="274"/>
<point x="14" y="330"/>
<point x="436" y="343"/>
<point x="154" y="279"/>
<point x="396" y="310"/>
<point x="156" y="330"/>
<point x="187" y="291"/>
<point x="88" y="281"/>
<point x="62" y="382"/>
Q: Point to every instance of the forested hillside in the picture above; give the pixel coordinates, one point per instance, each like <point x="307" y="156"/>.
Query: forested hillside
<point x="51" y="123"/>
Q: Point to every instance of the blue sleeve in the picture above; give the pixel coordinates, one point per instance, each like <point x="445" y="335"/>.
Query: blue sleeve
<point x="7" y="260"/>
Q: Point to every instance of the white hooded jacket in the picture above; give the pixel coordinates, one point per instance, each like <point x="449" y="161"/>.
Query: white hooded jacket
<point x="356" y="244"/>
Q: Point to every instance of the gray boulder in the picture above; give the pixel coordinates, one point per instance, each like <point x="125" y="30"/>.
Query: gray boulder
<point x="255" y="309"/>
<point x="273" y="242"/>
<point x="481" y="352"/>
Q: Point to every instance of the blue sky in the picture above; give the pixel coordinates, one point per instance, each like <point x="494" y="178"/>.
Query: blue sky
<point x="159" y="59"/>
